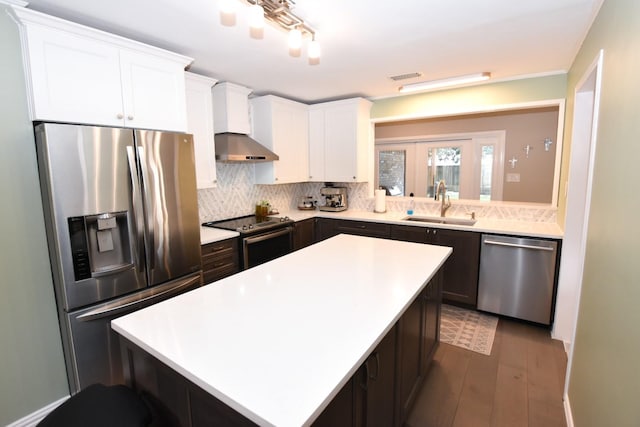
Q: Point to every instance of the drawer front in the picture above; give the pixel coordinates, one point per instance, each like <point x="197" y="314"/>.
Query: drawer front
<point x="219" y="248"/>
<point x="220" y="259"/>
<point x="364" y="228"/>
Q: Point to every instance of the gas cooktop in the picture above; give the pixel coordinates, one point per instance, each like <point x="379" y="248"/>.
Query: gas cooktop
<point x="250" y="224"/>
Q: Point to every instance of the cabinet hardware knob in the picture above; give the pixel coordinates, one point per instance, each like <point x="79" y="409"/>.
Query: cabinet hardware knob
<point x="129" y="117"/>
<point x="120" y="116"/>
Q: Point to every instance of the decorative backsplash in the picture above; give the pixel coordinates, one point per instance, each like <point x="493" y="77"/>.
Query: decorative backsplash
<point x="237" y="195"/>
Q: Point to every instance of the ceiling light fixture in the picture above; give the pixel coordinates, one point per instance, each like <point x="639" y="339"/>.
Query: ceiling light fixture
<point x="228" y="12"/>
<point x="314" y="52"/>
<point x="295" y="42"/>
<point x="280" y="13"/>
<point x="451" y="81"/>
<point x="256" y="21"/>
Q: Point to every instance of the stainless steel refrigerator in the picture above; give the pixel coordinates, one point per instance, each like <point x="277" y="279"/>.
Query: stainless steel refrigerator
<point x="123" y="232"/>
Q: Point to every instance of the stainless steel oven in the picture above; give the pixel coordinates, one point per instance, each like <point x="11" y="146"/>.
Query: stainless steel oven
<point x="264" y="247"/>
<point x="262" y="238"/>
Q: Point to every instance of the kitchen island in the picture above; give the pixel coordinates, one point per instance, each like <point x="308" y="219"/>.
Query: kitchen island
<point x="276" y="343"/>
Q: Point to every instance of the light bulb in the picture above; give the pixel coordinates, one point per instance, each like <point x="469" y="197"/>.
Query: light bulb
<point x="295" y="42"/>
<point x="256" y="16"/>
<point x="256" y="21"/>
<point x="314" y="52"/>
<point x="228" y="12"/>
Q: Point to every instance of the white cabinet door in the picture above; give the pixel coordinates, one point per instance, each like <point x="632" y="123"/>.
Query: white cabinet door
<point x="339" y="141"/>
<point x="73" y="79"/>
<point x="316" y="144"/>
<point x="200" y="125"/>
<point x="282" y="126"/>
<point x="153" y="92"/>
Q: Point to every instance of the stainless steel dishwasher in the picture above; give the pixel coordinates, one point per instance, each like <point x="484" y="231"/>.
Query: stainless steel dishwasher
<point x="517" y="277"/>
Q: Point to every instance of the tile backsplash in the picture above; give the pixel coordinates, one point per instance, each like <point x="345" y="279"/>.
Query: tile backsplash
<point x="236" y="195"/>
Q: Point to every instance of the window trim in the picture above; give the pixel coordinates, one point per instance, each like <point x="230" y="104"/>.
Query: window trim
<point x="476" y="138"/>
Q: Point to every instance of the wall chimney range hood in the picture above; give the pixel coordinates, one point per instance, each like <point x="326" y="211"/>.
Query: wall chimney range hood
<point x="237" y="147"/>
<point x="232" y="126"/>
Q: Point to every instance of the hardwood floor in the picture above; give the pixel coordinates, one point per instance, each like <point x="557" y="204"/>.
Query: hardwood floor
<point x="519" y="384"/>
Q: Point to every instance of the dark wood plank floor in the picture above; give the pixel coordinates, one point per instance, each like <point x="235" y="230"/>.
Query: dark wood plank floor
<point x="520" y="384"/>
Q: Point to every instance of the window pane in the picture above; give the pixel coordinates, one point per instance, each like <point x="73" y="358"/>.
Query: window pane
<point x="486" y="172"/>
<point x="444" y="164"/>
<point x="392" y="170"/>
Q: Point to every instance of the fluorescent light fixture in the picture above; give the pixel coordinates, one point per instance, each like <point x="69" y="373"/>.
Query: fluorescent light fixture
<point x="451" y="81"/>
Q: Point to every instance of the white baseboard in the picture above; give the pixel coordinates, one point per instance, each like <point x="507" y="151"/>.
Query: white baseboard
<point x="34" y="418"/>
<point x="567" y="411"/>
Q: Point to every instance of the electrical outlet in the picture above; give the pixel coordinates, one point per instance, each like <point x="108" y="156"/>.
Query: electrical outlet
<point x="513" y="177"/>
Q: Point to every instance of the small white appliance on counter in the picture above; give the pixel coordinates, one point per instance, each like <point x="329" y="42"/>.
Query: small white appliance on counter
<point x="335" y="199"/>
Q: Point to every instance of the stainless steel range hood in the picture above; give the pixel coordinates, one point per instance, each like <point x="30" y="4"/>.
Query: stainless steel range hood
<point x="232" y="125"/>
<point x="238" y="147"/>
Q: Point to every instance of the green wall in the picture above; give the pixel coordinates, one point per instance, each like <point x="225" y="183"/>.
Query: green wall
<point x="604" y="384"/>
<point x="473" y="98"/>
<point x="32" y="370"/>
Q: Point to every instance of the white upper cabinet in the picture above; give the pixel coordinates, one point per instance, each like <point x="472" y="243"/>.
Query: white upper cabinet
<point x="200" y="125"/>
<point x="282" y="126"/>
<point x="340" y="141"/>
<point x="81" y="75"/>
<point x="231" y="108"/>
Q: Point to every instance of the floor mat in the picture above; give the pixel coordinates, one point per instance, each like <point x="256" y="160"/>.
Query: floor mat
<point x="467" y="329"/>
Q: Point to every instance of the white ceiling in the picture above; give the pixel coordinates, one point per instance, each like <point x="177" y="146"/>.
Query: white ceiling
<point x="364" y="42"/>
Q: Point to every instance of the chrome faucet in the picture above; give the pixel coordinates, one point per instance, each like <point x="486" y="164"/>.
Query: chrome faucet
<point x="442" y="189"/>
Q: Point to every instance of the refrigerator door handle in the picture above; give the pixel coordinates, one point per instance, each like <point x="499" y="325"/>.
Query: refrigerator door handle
<point x="126" y="303"/>
<point x="137" y="208"/>
<point x="148" y="208"/>
<point x="112" y="270"/>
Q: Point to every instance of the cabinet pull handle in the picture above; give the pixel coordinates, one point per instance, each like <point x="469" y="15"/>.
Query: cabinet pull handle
<point x="374" y="377"/>
<point x="364" y="378"/>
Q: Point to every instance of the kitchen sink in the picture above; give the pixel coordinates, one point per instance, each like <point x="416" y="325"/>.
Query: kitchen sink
<point x="440" y="220"/>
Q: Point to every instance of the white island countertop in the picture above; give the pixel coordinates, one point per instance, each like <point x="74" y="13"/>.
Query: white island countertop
<point x="277" y="342"/>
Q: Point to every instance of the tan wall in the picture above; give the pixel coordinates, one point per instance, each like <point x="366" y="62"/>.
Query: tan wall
<point x="605" y="376"/>
<point x="525" y="127"/>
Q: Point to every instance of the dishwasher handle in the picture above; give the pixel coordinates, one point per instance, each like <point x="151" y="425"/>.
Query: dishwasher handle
<point x="516" y="245"/>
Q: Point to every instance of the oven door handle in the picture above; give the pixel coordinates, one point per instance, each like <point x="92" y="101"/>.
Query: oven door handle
<point x="266" y="236"/>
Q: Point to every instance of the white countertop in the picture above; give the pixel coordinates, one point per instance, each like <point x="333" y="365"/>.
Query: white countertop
<point x="482" y="225"/>
<point x="277" y="342"/>
<point x="210" y="235"/>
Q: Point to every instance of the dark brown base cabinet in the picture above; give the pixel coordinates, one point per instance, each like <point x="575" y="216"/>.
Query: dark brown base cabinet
<point x="220" y="259"/>
<point x="380" y="393"/>
<point x="461" y="269"/>
<point x="303" y="233"/>
<point x="327" y="227"/>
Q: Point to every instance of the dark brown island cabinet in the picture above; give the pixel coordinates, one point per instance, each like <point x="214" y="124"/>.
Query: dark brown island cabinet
<point x="220" y="259"/>
<point x="379" y="394"/>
